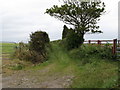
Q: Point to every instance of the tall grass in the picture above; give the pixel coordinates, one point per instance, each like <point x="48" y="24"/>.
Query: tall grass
<point x="100" y="74"/>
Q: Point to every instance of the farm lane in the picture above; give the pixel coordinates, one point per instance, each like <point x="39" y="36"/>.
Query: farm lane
<point x="26" y="79"/>
<point x="32" y="79"/>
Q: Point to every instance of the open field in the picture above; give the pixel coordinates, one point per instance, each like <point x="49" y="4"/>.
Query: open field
<point x="8" y="47"/>
<point x="60" y="71"/>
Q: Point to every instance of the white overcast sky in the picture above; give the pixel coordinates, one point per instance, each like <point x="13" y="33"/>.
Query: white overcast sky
<point x="18" y="18"/>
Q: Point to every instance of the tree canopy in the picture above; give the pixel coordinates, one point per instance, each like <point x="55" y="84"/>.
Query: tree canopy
<point x="82" y="15"/>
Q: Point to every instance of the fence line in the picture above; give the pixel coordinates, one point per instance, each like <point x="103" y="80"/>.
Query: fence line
<point x="99" y="42"/>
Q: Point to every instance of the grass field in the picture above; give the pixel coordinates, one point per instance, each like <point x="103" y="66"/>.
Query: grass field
<point x="100" y="73"/>
<point x="8" y="47"/>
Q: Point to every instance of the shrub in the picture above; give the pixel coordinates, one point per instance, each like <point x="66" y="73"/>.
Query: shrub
<point x="90" y="51"/>
<point x="66" y="31"/>
<point x="38" y="41"/>
<point x="22" y="51"/>
<point x="72" y="40"/>
<point x="35" y="51"/>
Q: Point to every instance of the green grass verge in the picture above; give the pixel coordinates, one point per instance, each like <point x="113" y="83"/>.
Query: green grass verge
<point x="8" y="48"/>
<point x="98" y="73"/>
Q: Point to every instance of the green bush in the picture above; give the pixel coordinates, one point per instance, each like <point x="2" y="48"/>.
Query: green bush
<point x="24" y="53"/>
<point x="91" y="51"/>
<point x="66" y="31"/>
<point x="72" y="41"/>
<point x="38" y="41"/>
<point x="36" y="50"/>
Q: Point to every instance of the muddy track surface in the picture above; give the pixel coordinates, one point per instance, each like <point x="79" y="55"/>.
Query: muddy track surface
<point x="35" y="79"/>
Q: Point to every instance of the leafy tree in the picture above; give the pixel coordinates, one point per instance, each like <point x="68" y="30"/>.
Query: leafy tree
<point x="82" y="15"/>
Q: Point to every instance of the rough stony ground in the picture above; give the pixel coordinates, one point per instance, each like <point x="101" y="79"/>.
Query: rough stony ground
<point x="24" y="81"/>
<point x="35" y="79"/>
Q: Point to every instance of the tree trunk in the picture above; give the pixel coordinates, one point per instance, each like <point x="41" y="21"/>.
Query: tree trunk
<point x="81" y="35"/>
<point x="81" y="38"/>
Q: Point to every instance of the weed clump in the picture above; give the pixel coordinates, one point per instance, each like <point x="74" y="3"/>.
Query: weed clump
<point x="17" y="67"/>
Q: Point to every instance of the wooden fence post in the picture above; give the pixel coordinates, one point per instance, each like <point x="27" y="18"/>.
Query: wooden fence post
<point x="89" y="41"/>
<point x="99" y="42"/>
<point x="114" y="46"/>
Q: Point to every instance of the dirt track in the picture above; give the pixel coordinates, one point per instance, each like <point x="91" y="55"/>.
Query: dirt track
<point x="24" y="81"/>
<point x="34" y="79"/>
